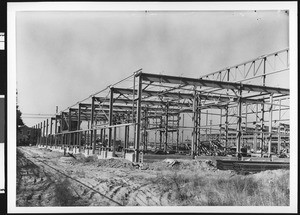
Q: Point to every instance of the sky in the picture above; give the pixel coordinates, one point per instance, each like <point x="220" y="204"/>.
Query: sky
<point x="63" y="57"/>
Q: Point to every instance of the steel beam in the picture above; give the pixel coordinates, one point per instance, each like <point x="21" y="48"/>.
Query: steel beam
<point x="171" y="94"/>
<point x="209" y="83"/>
<point x="145" y="102"/>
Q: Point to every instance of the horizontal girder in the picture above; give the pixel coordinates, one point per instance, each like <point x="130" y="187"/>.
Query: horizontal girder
<point x="211" y="83"/>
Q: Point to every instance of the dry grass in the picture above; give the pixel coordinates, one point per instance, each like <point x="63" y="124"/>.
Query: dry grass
<point x="224" y="188"/>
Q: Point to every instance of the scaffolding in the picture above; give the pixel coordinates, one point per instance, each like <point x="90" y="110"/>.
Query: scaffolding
<point x="237" y="106"/>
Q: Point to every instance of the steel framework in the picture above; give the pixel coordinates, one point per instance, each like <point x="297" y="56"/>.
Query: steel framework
<point x="239" y="106"/>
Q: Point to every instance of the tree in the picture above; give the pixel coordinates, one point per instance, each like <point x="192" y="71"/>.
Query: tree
<point x="19" y="115"/>
<point x="19" y="119"/>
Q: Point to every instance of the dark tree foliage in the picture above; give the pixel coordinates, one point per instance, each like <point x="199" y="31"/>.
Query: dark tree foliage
<point x="19" y="119"/>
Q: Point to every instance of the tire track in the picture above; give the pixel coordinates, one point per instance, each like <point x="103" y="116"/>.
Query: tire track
<point x="120" y="187"/>
<point x="73" y="179"/>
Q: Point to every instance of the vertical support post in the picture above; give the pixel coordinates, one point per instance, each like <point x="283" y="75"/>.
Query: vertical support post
<point x="101" y="135"/>
<point x="182" y="132"/>
<point x="61" y="129"/>
<point x="177" y="133"/>
<point x="199" y="126"/>
<point x="262" y="108"/>
<point x="195" y="129"/>
<point x="166" y="128"/>
<point x="210" y="128"/>
<point x="78" y="127"/>
<point x="144" y="130"/>
<point x="261" y="145"/>
<point x="104" y="136"/>
<point x="160" y="133"/>
<point x="39" y="134"/>
<point x="138" y="118"/>
<point x="110" y="118"/>
<point x="36" y="134"/>
<point x="114" y="142"/>
<point x="55" y="131"/>
<point x="85" y="134"/>
<point x="133" y="107"/>
<point x="246" y="121"/>
<point x="206" y="124"/>
<point x="220" y="135"/>
<point x="95" y="135"/>
<point x="92" y="124"/>
<point x="255" y="131"/>
<point x="226" y="114"/>
<point x="270" y="124"/>
<point x="246" y="117"/>
<point x="279" y="136"/>
<point x="47" y="136"/>
<point x="51" y="123"/>
<point x="44" y="132"/>
<point x="69" y="127"/>
<point x="126" y="137"/>
<point x="239" y="122"/>
<point x="155" y="133"/>
<point x="88" y="133"/>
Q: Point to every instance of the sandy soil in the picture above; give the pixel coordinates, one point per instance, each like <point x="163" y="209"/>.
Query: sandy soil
<point x="48" y="178"/>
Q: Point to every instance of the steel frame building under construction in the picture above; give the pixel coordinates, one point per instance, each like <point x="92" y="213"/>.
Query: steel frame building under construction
<point x="238" y="106"/>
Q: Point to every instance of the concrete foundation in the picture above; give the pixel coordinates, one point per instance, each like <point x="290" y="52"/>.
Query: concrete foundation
<point x="130" y="157"/>
<point x="109" y="155"/>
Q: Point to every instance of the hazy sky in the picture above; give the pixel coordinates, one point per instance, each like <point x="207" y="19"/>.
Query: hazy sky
<point x="63" y="57"/>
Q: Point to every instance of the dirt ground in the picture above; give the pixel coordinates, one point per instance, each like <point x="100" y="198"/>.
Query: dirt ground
<point x="89" y="181"/>
<point x="48" y="178"/>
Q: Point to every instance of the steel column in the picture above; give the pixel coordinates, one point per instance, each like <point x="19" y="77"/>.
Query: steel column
<point x="44" y="132"/>
<point x="239" y="123"/>
<point x="69" y="135"/>
<point x="177" y="133"/>
<point x="261" y="145"/>
<point x="78" y="127"/>
<point x="279" y="135"/>
<point x="166" y="128"/>
<point x="138" y="119"/>
<point x="114" y="142"/>
<point x="195" y="129"/>
<point x="51" y="123"/>
<point x="270" y="125"/>
<point x="92" y="124"/>
<point x="110" y="120"/>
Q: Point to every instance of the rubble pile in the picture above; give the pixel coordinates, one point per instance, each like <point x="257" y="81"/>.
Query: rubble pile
<point x="212" y="148"/>
<point x="115" y="163"/>
<point x="179" y="164"/>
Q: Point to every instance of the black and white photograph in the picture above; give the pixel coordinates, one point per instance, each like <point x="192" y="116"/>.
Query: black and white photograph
<point x="152" y="107"/>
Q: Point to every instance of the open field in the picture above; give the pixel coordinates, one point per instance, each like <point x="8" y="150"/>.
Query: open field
<point x="48" y="178"/>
